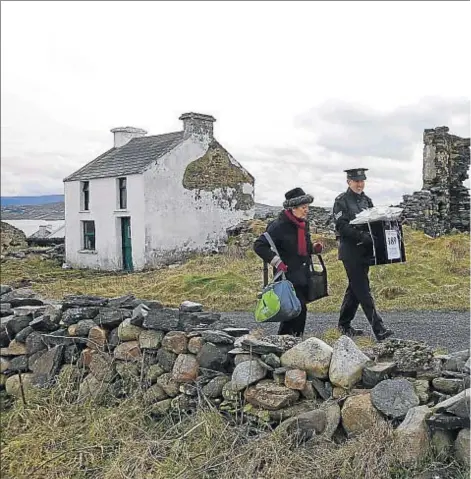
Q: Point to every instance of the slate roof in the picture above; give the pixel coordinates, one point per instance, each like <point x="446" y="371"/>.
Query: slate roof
<point x="129" y="159"/>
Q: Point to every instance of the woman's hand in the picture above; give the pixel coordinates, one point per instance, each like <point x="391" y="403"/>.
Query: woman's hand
<point x="282" y="267"/>
<point x="318" y="247"/>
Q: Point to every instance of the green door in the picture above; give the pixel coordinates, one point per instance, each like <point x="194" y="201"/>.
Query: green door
<point x="126" y="243"/>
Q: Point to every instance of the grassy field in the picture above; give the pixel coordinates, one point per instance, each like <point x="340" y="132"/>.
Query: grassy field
<point x="54" y="437"/>
<point x="435" y="276"/>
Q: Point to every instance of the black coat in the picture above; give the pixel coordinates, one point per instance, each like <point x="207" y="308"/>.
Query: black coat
<point x="285" y="236"/>
<point x="351" y="247"/>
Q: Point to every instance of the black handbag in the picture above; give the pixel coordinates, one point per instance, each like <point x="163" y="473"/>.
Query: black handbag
<point x="316" y="281"/>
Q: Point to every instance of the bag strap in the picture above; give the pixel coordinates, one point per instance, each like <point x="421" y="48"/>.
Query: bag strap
<point x="271" y="243"/>
<point x="273" y="248"/>
<point x="321" y="261"/>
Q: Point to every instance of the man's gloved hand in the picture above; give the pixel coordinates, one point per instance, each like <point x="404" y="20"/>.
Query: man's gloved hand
<point x="282" y="267"/>
<point x="317" y="248"/>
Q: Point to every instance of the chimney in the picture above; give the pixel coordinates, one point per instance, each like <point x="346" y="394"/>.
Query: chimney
<point x="125" y="134"/>
<point x="197" y="124"/>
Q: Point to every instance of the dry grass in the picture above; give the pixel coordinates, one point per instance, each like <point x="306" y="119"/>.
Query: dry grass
<point x="436" y="276"/>
<point x="55" y="437"/>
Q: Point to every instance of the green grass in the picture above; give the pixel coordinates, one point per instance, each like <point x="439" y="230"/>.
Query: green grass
<point x="435" y="276"/>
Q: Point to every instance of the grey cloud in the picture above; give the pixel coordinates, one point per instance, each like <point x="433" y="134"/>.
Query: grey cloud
<point x="354" y="130"/>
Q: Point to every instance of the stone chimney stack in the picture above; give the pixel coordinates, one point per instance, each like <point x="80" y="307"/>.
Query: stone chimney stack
<point x="125" y="134"/>
<point x="197" y="124"/>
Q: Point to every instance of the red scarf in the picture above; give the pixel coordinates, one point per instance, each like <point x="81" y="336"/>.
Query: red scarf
<point x="301" y="225"/>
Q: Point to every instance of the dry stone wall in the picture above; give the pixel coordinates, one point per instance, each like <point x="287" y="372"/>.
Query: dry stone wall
<point x="443" y="203"/>
<point x="178" y="359"/>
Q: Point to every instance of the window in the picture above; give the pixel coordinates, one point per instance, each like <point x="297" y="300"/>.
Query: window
<point x="89" y="235"/>
<point x="123" y="200"/>
<point x="85" y="195"/>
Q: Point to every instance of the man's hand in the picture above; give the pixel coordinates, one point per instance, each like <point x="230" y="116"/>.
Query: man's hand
<point x="317" y="248"/>
<point x="282" y="267"/>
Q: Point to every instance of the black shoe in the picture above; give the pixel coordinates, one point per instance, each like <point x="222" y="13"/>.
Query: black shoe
<point x="384" y="334"/>
<point x="351" y="331"/>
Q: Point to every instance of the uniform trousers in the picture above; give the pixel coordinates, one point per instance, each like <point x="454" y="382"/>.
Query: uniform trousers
<point x="295" y="326"/>
<point x="358" y="293"/>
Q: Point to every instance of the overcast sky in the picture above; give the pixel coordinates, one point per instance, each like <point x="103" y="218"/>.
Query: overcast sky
<point x="301" y="91"/>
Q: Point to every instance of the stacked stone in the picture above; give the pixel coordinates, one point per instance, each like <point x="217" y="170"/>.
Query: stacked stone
<point x="443" y="203"/>
<point x="56" y="253"/>
<point x="175" y="359"/>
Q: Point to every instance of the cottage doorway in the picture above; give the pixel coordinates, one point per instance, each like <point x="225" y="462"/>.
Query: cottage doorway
<point x="126" y="243"/>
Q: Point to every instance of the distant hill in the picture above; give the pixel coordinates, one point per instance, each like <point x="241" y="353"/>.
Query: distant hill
<point x="30" y="200"/>
<point x="45" y="211"/>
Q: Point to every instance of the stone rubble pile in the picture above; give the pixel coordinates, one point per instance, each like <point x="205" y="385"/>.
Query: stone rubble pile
<point x="443" y="204"/>
<point x="178" y="359"/>
<point x="55" y="252"/>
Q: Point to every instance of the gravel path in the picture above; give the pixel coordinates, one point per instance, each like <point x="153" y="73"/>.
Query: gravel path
<point x="446" y="329"/>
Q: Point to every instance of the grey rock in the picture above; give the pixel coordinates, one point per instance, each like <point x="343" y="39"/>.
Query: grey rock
<point x="257" y="346"/>
<point x="4" y="289"/>
<point x="462" y="446"/>
<point x="5" y="309"/>
<point x="83" y="301"/>
<point x="457" y="361"/>
<point x="236" y="332"/>
<point x="321" y="389"/>
<point x="199" y="321"/>
<point x="447" y="422"/>
<point x="217" y="337"/>
<point x="32" y="311"/>
<point x="271" y="360"/>
<point x="16" y="324"/>
<point x="125" y="301"/>
<point x="215" y="386"/>
<point x="305" y="425"/>
<point x="213" y="357"/>
<point x="18" y="364"/>
<point x="374" y="374"/>
<point x="166" y="319"/>
<point x="23" y="334"/>
<point x="448" y="386"/>
<point x="111" y="317"/>
<point x="166" y="359"/>
<point x="47" y="367"/>
<point x="34" y="343"/>
<point x="83" y="327"/>
<point x="139" y="313"/>
<point x="74" y="315"/>
<point x="394" y="397"/>
<point x="113" y="339"/>
<point x="191" y="307"/>
<point x="247" y="373"/>
<point x="17" y="293"/>
<point x="148" y="303"/>
<point x="44" y="323"/>
<point x="25" y="302"/>
<point x="458" y="405"/>
<point x="72" y="354"/>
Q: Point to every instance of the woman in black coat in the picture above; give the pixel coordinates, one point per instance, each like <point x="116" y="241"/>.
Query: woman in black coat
<point x="290" y="233"/>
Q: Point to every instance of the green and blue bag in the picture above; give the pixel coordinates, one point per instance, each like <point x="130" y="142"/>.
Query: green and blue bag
<point x="278" y="301"/>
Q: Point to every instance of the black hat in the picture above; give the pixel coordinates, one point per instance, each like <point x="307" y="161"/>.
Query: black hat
<point x="356" y="174"/>
<point x="297" y="197"/>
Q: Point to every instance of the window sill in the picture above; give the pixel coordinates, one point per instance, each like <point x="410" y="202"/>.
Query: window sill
<point x="84" y="211"/>
<point x="121" y="211"/>
<point x="88" y="251"/>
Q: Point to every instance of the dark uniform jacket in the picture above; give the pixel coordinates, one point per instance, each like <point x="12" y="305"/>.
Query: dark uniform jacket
<point x="355" y="244"/>
<point x="285" y="236"/>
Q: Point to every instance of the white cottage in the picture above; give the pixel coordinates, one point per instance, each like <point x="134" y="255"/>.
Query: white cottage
<point x="150" y="199"/>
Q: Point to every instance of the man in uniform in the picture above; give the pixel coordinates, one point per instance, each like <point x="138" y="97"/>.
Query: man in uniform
<point x="355" y="251"/>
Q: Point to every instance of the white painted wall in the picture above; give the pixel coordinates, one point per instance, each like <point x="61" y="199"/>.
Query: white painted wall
<point x="104" y="211"/>
<point x="178" y="219"/>
<point x="31" y="226"/>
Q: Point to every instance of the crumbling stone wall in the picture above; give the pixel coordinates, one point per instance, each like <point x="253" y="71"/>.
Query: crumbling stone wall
<point x="180" y="359"/>
<point x="216" y="170"/>
<point x="11" y="238"/>
<point x="443" y="203"/>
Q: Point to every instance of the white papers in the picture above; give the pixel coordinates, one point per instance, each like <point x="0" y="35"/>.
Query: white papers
<point x="377" y="213"/>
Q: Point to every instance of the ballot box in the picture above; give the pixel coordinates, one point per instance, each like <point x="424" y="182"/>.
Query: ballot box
<point x="388" y="241"/>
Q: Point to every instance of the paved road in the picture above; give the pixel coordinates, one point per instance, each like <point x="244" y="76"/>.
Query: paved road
<point x="446" y="329"/>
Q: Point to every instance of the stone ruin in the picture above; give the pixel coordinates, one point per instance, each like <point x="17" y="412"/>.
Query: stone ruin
<point x="176" y="360"/>
<point x="442" y="205"/>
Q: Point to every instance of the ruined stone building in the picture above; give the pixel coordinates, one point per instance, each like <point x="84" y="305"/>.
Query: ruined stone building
<point x="149" y="200"/>
<point x="443" y="203"/>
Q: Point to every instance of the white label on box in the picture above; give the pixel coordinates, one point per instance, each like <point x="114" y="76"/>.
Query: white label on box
<point x="392" y="244"/>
